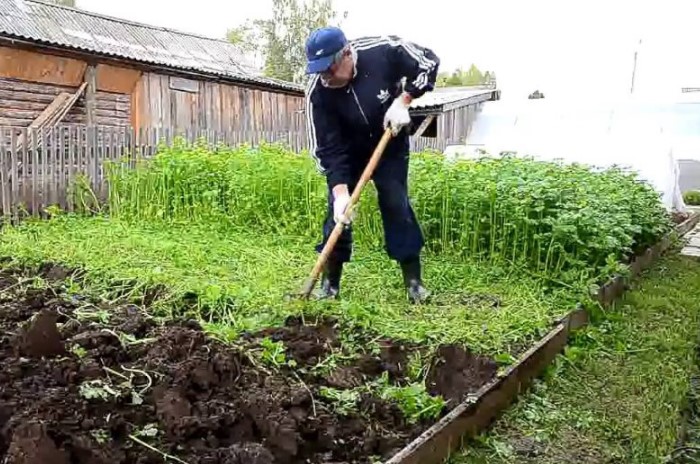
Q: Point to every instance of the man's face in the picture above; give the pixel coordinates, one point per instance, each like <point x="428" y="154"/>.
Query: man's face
<point x="340" y="72"/>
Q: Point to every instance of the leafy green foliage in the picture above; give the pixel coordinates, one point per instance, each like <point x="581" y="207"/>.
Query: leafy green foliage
<point x="343" y="402"/>
<point x="279" y="40"/>
<point x="273" y="354"/>
<point x="565" y="222"/>
<point x="225" y="232"/>
<point x="473" y="76"/>
<point x="692" y="197"/>
<point x="414" y="400"/>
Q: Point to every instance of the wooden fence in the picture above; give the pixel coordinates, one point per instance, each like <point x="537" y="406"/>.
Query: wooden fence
<point x="39" y="168"/>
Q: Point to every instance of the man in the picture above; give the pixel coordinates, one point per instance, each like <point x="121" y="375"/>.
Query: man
<point x="357" y="89"/>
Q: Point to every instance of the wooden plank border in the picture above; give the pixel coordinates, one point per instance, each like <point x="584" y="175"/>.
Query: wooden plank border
<point x="478" y="411"/>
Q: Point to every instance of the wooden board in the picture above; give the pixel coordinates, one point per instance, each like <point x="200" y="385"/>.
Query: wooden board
<point x="169" y="102"/>
<point x="116" y="79"/>
<point x="184" y="85"/>
<point x="23" y="102"/>
<point x="43" y="68"/>
<point x="139" y="108"/>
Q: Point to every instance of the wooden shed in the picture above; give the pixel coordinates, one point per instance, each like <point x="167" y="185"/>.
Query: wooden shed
<point x="445" y="115"/>
<point x="60" y="64"/>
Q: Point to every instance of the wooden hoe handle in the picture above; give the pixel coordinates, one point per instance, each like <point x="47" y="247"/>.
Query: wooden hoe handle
<point x="339" y="226"/>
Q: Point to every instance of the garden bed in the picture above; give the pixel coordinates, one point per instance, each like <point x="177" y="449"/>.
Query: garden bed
<point x="85" y="382"/>
<point x="176" y="294"/>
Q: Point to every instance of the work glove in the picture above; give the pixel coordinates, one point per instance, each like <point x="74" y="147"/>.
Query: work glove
<point x="340" y="202"/>
<point x="397" y="116"/>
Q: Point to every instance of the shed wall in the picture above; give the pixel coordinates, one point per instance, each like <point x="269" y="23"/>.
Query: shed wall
<point x="181" y="104"/>
<point x="22" y="102"/>
<point x="455" y="125"/>
<point x="31" y="79"/>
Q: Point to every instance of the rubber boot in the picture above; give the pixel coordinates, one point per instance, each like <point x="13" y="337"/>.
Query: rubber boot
<point x="330" y="280"/>
<point x="411" y="269"/>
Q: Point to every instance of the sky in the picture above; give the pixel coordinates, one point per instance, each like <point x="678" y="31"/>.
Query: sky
<point x="565" y="49"/>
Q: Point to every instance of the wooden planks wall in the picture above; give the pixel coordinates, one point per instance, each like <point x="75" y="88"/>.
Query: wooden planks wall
<point x="183" y="104"/>
<point x="23" y="101"/>
<point x="455" y="125"/>
<point x="32" y="66"/>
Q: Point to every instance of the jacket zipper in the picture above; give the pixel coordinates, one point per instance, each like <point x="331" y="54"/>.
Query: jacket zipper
<point x="359" y="106"/>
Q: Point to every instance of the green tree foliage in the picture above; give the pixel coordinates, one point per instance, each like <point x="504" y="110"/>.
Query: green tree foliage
<point x="277" y="43"/>
<point x="473" y="76"/>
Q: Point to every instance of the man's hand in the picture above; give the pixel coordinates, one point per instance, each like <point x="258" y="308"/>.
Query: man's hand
<point x="397" y="116"/>
<point x="341" y="199"/>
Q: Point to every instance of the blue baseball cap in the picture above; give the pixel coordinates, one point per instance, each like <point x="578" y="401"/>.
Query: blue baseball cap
<point x="321" y="47"/>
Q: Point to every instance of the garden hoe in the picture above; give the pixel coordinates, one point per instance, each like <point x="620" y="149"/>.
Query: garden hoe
<point x="339" y="226"/>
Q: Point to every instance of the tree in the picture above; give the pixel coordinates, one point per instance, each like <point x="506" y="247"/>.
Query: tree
<point x="248" y="37"/>
<point x="277" y="43"/>
<point x="472" y="77"/>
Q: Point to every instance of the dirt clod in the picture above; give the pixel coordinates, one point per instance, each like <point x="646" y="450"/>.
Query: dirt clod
<point x="31" y="445"/>
<point x="456" y="372"/>
<point x="246" y="453"/>
<point x="41" y="337"/>
<point x="306" y="344"/>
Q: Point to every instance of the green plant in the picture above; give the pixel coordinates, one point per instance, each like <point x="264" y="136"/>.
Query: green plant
<point x="557" y="220"/>
<point x="413" y="399"/>
<point x="343" y="401"/>
<point x="273" y="354"/>
<point x="692" y="197"/>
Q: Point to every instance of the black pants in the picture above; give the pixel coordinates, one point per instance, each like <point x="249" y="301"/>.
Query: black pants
<point x="403" y="237"/>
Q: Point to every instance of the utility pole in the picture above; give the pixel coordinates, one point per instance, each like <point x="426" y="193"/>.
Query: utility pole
<point x="634" y="68"/>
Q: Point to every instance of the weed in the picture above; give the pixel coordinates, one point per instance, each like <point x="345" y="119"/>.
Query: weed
<point x="343" y="401"/>
<point x="101" y="436"/>
<point x="274" y="354"/>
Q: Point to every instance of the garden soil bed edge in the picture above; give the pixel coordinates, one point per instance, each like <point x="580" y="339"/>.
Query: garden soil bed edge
<point x="477" y="412"/>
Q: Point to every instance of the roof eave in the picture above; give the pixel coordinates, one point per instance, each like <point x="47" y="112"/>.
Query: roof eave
<point x="443" y="107"/>
<point x="426" y="110"/>
<point x="28" y="42"/>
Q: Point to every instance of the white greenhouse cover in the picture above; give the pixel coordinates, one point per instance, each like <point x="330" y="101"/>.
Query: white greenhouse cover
<point x="646" y="137"/>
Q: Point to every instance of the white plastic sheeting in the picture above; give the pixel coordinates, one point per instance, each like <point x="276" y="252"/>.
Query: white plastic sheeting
<point x="639" y="136"/>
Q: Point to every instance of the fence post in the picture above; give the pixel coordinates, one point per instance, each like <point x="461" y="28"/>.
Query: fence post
<point x="5" y="176"/>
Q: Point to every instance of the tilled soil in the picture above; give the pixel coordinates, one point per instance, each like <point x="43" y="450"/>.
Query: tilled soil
<point x="93" y="384"/>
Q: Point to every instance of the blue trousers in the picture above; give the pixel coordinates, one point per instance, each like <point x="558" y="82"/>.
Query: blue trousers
<point x="403" y="238"/>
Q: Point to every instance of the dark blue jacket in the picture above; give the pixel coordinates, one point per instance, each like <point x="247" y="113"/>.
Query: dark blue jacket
<point x="346" y="124"/>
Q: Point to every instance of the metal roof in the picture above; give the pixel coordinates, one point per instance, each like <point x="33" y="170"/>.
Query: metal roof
<point x="448" y="98"/>
<point x="70" y="28"/>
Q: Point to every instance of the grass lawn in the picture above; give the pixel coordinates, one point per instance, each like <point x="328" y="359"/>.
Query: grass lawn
<point x="241" y="279"/>
<point x="618" y="392"/>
